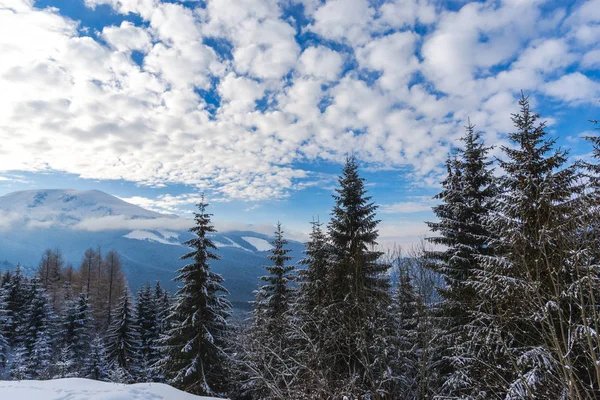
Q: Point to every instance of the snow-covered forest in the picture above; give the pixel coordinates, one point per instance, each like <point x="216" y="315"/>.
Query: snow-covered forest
<point x="501" y="302"/>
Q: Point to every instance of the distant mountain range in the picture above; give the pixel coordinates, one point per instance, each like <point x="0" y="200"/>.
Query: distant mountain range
<point x="149" y="242"/>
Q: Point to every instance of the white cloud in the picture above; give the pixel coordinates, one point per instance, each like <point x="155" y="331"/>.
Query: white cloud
<point x="119" y="222"/>
<point x="574" y="87"/>
<point x="127" y="37"/>
<point x="321" y="62"/>
<point x="82" y="105"/>
<point x="408" y="207"/>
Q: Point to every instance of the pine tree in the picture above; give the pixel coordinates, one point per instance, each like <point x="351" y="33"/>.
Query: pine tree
<point x="270" y="344"/>
<point x="313" y="279"/>
<point x="518" y="332"/>
<point x="162" y="304"/>
<point x="75" y="333"/>
<point x="17" y="300"/>
<point x="37" y="337"/>
<point x="273" y="299"/>
<point x="359" y="288"/>
<point x="466" y="198"/>
<point x="4" y="325"/>
<point x="123" y="341"/>
<point x="97" y="366"/>
<point x="147" y="322"/>
<point x="406" y="346"/>
<point x="194" y="360"/>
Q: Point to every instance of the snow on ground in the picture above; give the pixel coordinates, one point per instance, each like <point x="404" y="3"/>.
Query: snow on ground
<point x="145" y="235"/>
<point x="258" y="243"/>
<point x="85" y="389"/>
<point x="230" y="244"/>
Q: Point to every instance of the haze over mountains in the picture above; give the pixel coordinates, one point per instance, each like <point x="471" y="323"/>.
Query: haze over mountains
<point x="149" y="242"/>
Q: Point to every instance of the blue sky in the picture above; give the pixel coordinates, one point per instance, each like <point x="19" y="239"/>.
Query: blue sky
<point x="257" y="102"/>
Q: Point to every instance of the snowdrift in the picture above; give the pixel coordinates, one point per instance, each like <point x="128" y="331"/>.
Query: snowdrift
<point x="85" y="389"/>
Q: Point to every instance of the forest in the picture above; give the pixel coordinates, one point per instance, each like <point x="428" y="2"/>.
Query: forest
<point x="502" y="301"/>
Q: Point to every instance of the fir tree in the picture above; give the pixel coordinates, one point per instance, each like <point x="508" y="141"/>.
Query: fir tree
<point x="4" y="325"/>
<point x="37" y="337"/>
<point x="97" y="366"/>
<point x="123" y="340"/>
<point x="17" y="300"/>
<point x="466" y="198"/>
<point x="406" y="346"/>
<point x="521" y="286"/>
<point x="75" y="333"/>
<point x="359" y="289"/>
<point x="270" y="342"/>
<point x="273" y="299"/>
<point x="194" y="360"/>
<point x="313" y="279"/>
<point x="147" y="322"/>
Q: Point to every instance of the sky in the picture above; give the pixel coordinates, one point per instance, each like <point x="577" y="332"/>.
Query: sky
<point x="256" y="103"/>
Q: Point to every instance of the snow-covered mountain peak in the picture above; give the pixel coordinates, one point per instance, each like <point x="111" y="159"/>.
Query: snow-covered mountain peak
<point x="67" y="207"/>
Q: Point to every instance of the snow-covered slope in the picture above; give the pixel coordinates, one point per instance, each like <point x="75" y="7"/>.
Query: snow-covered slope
<point x="150" y="243"/>
<point x="67" y="207"/>
<point x="85" y="389"/>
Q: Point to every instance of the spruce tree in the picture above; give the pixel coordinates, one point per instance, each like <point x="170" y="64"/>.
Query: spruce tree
<point x="467" y="195"/>
<point x="123" y="341"/>
<point x="17" y="300"/>
<point x="194" y="360"/>
<point x="405" y="346"/>
<point x="359" y="288"/>
<point x="97" y="366"/>
<point x="270" y="345"/>
<point x="37" y="337"/>
<point x="147" y="322"/>
<point x="4" y="325"/>
<point x="76" y="332"/>
<point x="312" y="279"/>
<point x="274" y="297"/>
<point x="522" y="317"/>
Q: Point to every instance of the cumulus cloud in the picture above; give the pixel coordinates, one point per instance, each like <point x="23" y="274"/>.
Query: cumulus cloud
<point x="224" y="97"/>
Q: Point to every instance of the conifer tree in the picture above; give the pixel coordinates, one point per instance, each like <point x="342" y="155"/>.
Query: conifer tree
<point x="162" y="304"/>
<point x="270" y="344"/>
<point x="518" y="332"/>
<point x="467" y="195"/>
<point x="359" y="288"/>
<point x="37" y="337"/>
<point x="194" y="360"/>
<point x="147" y="323"/>
<point x="97" y="366"/>
<point x="75" y="333"/>
<point x="123" y="341"/>
<point x="407" y="352"/>
<point x="313" y="278"/>
<point x="273" y="298"/>
<point x="4" y="324"/>
<point x="17" y="300"/>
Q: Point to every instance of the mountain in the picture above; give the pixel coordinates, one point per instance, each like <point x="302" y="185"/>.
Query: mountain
<point x="149" y="242"/>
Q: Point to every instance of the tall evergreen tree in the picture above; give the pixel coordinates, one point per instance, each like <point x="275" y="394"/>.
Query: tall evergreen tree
<point x="313" y="279"/>
<point x="97" y="366"/>
<point x="518" y="332"/>
<point x="405" y="346"/>
<point x="37" y="337"/>
<point x="359" y="288"/>
<point x="147" y="322"/>
<point x="273" y="298"/>
<point x="269" y="347"/>
<point x="194" y="360"/>
<point x="467" y="195"/>
<point x="4" y="325"/>
<point x="17" y="300"/>
<point x="123" y="341"/>
<point x="75" y="334"/>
